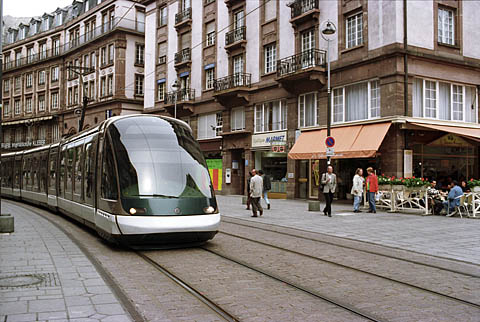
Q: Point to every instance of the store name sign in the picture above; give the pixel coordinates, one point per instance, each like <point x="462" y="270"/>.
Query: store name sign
<point x="269" y="139"/>
<point x="16" y="145"/>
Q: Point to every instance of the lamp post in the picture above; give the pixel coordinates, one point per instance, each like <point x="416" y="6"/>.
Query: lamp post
<point x="175" y="87"/>
<point x="328" y="30"/>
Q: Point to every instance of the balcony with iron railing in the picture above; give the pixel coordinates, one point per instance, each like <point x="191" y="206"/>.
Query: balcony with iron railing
<point x="181" y="96"/>
<point x="117" y="23"/>
<point x="302" y="10"/>
<point x="233" y="90"/>
<point x="309" y="65"/>
<point x="183" y="17"/>
<point x="235" y="38"/>
<point x="183" y="57"/>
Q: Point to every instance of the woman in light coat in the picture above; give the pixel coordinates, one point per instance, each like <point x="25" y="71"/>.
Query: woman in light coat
<point x="357" y="189"/>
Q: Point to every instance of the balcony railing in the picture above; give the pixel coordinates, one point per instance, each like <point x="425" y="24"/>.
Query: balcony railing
<point x="182" y="95"/>
<point x="80" y="41"/>
<point x="299" y="7"/>
<point x="232" y="81"/>
<point x="306" y="59"/>
<point x="235" y="35"/>
<point x="183" y="16"/>
<point x="183" y="56"/>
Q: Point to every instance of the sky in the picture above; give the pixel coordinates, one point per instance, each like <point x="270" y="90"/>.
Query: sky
<point x="30" y="8"/>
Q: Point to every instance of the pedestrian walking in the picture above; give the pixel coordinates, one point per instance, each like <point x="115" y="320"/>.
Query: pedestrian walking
<point x="267" y="186"/>
<point x="256" y="188"/>
<point x="372" y="189"/>
<point x="328" y="184"/>
<point x="357" y="190"/>
<point x="249" y="198"/>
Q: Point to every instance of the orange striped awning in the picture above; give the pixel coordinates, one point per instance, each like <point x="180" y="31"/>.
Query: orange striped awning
<point x="469" y="133"/>
<point x="356" y="141"/>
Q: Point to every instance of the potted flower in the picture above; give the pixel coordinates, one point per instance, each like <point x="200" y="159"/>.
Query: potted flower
<point x="474" y="185"/>
<point x="415" y="183"/>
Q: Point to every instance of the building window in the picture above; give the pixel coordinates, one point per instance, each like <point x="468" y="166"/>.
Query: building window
<point x="374" y="99"/>
<point x="91" y="90"/>
<point x="270" y="58"/>
<point x="446" y="26"/>
<point x="209" y="78"/>
<point x="54" y="74"/>
<point x="102" y="86"/>
<point x="103" y="56"/>
<point x="70" y="96"/>
<point x="6" y="108"/>
<point x="29" y="80"/>
<point x="56" y="47"/>
<point x="307" y="110"/>
<point x="444" y="101"/>
<point x="18" y="83"/>
<point x="41" y="133"/>
<point x="210" y="32"/>
<point x="110" y="54"/>
<point x="161" y="91"/>
<point x="16" y="106"/>
<point x="30" y="54"/>
<point x="54" y="101"/>
<point x="18" y="58"/>
<point x="86" y="61"/>
<point x="41" y="102"/>
<point x="354" y="30"/>
<point x="75" y="94"/>
<point x="55" y="132"/>
<point x="6" y="85"/>
<point x="140" y="54"/>
<point x="41" y="77"/>
<point x="355" y="102"/>
<point x="271" y="116"/>
<point x="42" y="48"/>
<point x="163" y="16"/>
<point x="138" y="84"/>
<point x="93" y="60"/>
<point x="28" y="105"/>
<point x="237" y="119"/>
<point x="110" y="84"/>
<point x="162" y="53"/>
<point x="18" y="135"/>
<point x="209" y="125"/>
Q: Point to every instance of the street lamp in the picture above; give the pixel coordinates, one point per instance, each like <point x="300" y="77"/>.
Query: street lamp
<point x="328" y="30"/>
<point x="175" y="87"/>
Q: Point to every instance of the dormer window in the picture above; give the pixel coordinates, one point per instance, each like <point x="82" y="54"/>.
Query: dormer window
<point x="45" y="24"/>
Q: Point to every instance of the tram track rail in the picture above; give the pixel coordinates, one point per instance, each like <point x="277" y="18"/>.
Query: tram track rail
<point x="318" y="240"/>
<point x="476" y="305"/>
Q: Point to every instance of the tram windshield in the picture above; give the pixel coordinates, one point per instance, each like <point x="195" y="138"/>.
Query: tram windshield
<point x="158" y="158"/>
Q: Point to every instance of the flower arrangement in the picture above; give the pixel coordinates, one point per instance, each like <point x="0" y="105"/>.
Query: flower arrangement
<point x="473" y="183"/>
<point x="408" y="182"/>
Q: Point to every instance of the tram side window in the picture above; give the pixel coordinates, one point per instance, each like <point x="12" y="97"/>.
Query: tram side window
<point x="33" y="182"/>
<point x="43" y="166"/>
<point x="109" y="178"/>
<point x="61" y="186"/>
<point x="53" y="173"/>
<point x="18" y="173"/>
<point x="78" y="170"/>
<point x="26" y="173"/>
<point x="89" y="167"/>
<point x="69" y="174"/>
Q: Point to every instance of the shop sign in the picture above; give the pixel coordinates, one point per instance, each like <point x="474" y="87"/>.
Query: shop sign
<point x="16" y="145"/>
<point x="450" y="140"/>
<point x="269" y="139"/>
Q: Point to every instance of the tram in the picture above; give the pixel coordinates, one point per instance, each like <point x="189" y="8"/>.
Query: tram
<point x="136" y="179"/>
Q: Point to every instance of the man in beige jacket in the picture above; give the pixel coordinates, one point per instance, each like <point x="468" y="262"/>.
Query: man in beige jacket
<point x="329" y="183"/>
<point x="256" y="189"/>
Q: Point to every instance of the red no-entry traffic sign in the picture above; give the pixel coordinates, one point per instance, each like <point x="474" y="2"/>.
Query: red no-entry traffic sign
<point x="330" y="141"/>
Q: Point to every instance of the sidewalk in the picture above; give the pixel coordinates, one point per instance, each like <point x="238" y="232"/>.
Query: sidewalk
<point x="448" y="237"/>
<point x="45" y="276"/>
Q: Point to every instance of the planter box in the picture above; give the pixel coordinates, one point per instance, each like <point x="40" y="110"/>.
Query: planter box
<point x="397" y="187"/>
<point x="476" y="189"/>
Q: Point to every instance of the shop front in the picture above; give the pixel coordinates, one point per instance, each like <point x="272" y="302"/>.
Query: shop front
<point x="356" y="146"/>
<point x="212" y="152"/>
<point x="270" y="155"/>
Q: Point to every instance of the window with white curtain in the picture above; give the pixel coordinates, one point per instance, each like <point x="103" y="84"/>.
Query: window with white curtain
<point x="271" y="116"/>
<point x="360" y="101"/>
<point x="209" y="125"/>
<point x="444" y="101"/>
<point x="307" y="110"/>
<point x="446" y="26"/>
<point x="237" y="119"/>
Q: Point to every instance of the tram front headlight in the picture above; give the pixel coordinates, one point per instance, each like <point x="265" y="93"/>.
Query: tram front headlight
<point x="137" y="211"/>
<point x="209" y="210"/>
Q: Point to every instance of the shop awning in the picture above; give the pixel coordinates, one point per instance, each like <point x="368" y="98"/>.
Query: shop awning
<point x="356" y="141"/>
<point x="469" y="133"/>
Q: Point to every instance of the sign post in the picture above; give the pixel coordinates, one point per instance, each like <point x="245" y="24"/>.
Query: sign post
<point x="330" y="152"/>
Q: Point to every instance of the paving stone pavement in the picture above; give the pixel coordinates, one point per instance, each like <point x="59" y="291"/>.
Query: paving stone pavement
<point x="68" y="286"/>
<point x="449" y="237"/>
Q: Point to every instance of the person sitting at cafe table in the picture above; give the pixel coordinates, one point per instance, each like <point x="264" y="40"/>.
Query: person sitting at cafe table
<point x="453" y="199"/>
<point x="435" y="198"/>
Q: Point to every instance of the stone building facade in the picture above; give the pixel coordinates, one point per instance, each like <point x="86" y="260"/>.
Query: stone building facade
<point x="251" y="81"/>
<point x="42" y="96"/>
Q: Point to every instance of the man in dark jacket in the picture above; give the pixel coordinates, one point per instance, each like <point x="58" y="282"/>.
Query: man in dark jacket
<point x="249" y="198"/>
<point x="267" y="186"/>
